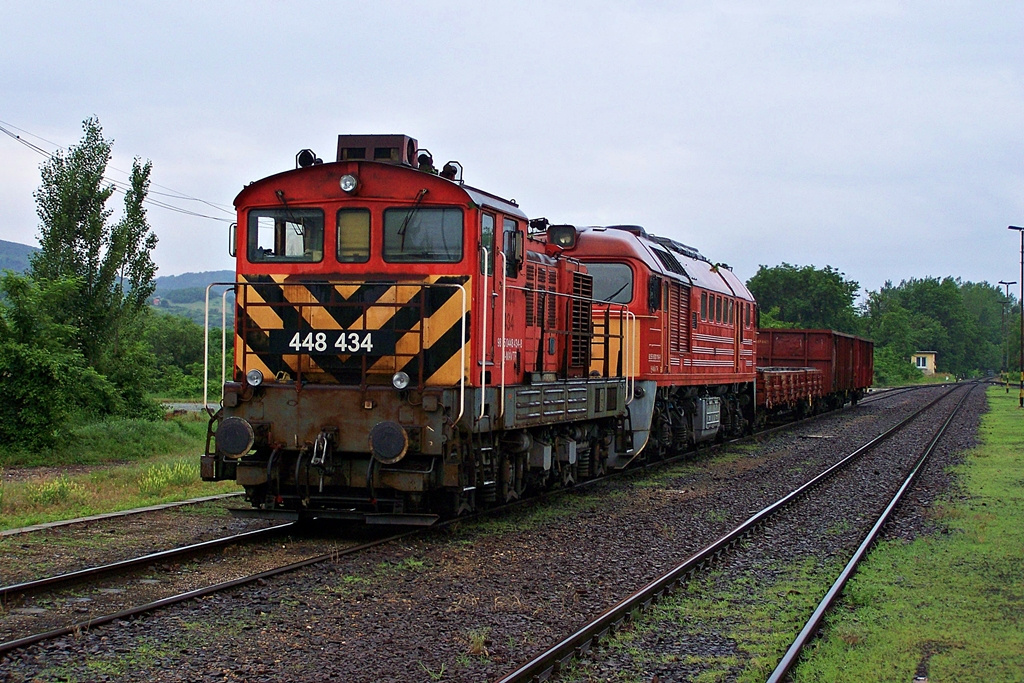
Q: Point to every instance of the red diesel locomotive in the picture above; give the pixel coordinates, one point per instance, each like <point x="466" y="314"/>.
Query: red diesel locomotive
<point x="408" y="347"/>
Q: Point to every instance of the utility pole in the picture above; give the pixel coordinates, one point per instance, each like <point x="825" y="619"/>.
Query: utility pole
<point x="1021" y="231"/>
<point x="1002" y="325"/>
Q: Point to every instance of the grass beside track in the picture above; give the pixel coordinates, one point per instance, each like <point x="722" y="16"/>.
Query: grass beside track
<point x="946" y="607"/>
<point x="111" y="466"/>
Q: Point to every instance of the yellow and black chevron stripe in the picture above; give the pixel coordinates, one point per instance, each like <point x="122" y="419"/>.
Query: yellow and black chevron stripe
<point x="416" y="325"/>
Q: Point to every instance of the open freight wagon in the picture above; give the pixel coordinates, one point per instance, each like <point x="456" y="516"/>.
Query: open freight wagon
<point x="800" y="368"/>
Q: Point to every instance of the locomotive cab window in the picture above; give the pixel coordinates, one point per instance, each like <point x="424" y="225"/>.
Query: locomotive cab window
<point x="353" y="235"/>
<point x="487" y="242"/>
<point x="278" y="235"/>
<point x="512" y="242"/>
<point x="423" y="235"/>
<point x="613" y="282"/>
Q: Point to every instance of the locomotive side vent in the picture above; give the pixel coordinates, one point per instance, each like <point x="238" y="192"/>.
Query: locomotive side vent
<point x="582" y="295"/>
<point x="531" y="285"/>
<point x="552" y="322"/>
<point x="679" y="311"/>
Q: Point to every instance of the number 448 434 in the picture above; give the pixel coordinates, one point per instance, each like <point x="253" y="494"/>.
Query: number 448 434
<point x="344" y="342"/>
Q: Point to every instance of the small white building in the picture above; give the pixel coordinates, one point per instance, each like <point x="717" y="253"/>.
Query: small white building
<point x="924" y="361"/>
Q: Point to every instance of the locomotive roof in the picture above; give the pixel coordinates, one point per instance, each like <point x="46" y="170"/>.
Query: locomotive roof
<point x="477" y="196"/>
<point x="486" y="199"/>
<point x="661" y="255"/>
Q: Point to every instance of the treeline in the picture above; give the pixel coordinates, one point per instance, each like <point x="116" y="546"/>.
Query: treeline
<point x="971" y="326"/>
<point x="78" y="340"/>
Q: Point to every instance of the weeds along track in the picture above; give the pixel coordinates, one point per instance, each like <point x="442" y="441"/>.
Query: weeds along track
<point x="850" y="498"/>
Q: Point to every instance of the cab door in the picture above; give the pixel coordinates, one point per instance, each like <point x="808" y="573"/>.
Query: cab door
<point x="485" y="289"/>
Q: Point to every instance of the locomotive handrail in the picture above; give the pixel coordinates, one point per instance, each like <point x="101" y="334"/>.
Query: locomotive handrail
<point x="631" y="378"/>
<point x="629" y="366"/>
<point x="206" y="341"/>
<point x="224" y="339"/>
<point x="483" y="336"/>
<point x="462" y="356"/>
<point x="501" y="365"/>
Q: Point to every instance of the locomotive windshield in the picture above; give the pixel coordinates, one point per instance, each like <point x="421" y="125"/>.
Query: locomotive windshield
<point x="423" y="235"/>
<point x="286" y="235"/>
<point x="613" y="282"/>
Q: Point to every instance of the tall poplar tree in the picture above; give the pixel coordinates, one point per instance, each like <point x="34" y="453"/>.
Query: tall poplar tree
<point x="111" y="263"/>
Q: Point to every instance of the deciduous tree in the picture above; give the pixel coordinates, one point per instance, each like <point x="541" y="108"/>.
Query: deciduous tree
<point x="806" y="296"/>
<point x="111" y="263"/>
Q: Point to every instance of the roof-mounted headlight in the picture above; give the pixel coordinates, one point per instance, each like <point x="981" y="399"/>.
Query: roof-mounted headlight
<point x="349" y="183"/>
<point x="254" y="378"/>
<point x="400" y="380"/>
<point x="562" y="236"/>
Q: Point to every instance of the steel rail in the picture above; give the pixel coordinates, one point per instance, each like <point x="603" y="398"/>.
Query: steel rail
<point x="42" y="526"/>
<point x="895" y="391"/>
<point x="811" y="626"/>
<point x="548" y="663"/>
<point x="6" y="592"/>
<point x="84" y="626"/>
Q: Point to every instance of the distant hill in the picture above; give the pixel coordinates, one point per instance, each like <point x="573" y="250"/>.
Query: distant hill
<point x="183" y="294"/>
<point x="168" y="283"/>
<point x="14" y="256"/>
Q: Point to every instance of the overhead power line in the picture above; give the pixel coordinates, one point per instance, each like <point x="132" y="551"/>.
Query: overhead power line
<point x="120" y="186"/>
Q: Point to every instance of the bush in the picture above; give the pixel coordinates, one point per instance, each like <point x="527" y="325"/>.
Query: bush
<point x="158" y="479"/>
<point x="44" y="391"/>
<point x="59" y="490"/>
<point x="893" y="368"/>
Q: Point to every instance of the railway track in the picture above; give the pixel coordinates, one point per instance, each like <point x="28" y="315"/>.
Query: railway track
<point x="549" y="663"/>
<point x="54" y="589"/>
<point x="82" y="625"/>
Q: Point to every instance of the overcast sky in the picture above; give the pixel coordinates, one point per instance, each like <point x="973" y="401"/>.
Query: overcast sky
<point x="884" y="139"/>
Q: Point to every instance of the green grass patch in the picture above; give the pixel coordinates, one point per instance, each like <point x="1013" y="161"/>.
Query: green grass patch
<point x="117" y="440"/>
<point x="133" y="463"/>
<point x="160" y="479"/>
<point x="746" y="623"/>
<point x="947" y="606"/>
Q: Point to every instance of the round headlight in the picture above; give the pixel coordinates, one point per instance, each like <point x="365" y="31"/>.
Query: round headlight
<point x="400" y="380"/>
<point x="349" y="183"/>
<point x="254" y="378"/>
